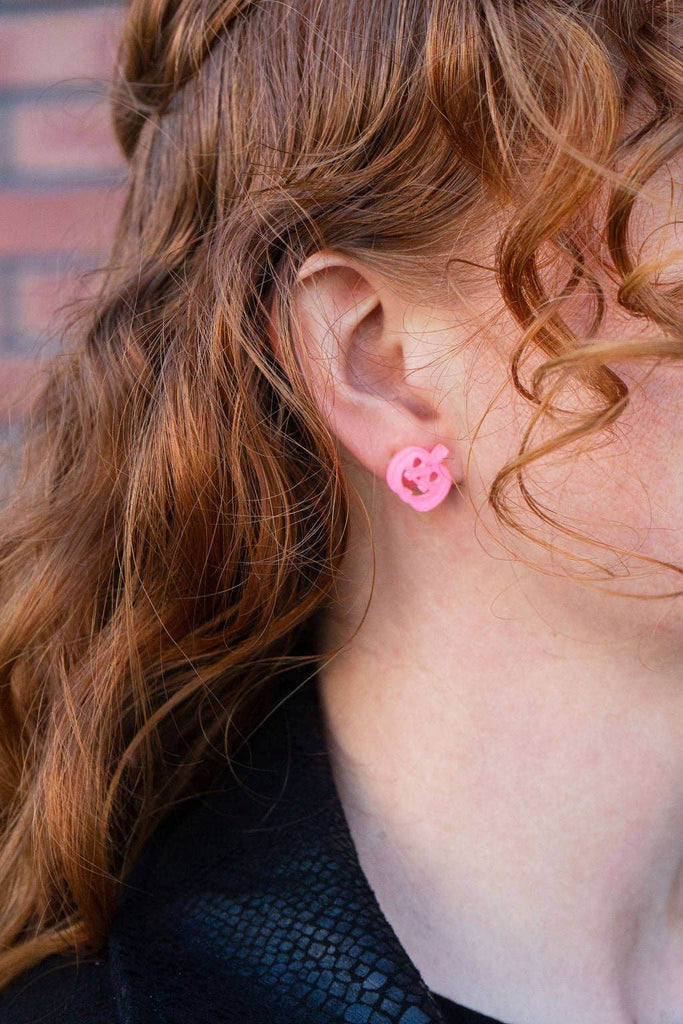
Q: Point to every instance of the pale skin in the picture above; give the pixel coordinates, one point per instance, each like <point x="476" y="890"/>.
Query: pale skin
<point x="507" y="744"/>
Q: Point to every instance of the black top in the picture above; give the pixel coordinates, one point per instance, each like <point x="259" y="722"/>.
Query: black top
<point x="454" y="1013"/>
<point x="248" y="905"/>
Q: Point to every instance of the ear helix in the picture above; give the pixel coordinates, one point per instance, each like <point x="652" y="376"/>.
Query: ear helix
<point x="418" y="476"/>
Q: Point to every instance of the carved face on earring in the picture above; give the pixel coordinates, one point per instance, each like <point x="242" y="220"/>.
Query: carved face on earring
<point x="419" y="477"/>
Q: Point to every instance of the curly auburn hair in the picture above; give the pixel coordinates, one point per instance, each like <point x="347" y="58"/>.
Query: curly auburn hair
<point x="178" y="513"/>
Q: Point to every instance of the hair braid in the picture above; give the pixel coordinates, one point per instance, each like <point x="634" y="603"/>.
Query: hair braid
<point x="164" y="45"/>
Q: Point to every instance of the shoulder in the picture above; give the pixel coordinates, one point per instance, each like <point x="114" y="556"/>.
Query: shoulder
<point x="247" y="906"/>
<point x="215" y="904"/>
<point x="62" y="989"/>
<point x="200" y="892"/>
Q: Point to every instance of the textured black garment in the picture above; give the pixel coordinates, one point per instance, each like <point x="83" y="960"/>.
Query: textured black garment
<point x="247" y="906"/>
<point x="454" y="1013"/>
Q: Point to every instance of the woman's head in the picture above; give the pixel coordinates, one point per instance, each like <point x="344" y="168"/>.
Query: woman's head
<point x="184" y="506"/>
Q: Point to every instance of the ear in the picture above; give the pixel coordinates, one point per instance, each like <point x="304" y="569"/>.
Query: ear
<point x="365" y="352"/>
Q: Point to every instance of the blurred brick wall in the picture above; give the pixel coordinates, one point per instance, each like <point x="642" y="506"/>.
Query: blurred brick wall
<point x="61" y="174"/>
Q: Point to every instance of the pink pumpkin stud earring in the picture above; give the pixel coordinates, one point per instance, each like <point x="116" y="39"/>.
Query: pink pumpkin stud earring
<point x="418" y="476"/>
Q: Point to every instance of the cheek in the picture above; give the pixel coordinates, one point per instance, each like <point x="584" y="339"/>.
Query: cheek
<point x="626" y="493"/>
<point x="650" y="460"/>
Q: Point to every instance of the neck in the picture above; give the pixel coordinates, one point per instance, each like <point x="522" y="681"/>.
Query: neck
<point x="515" y="794"/>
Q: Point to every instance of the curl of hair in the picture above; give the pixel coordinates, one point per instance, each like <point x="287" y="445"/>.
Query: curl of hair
<point x="179" y="514"/>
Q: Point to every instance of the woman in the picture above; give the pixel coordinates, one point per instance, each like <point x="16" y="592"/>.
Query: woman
<point x="341" y="582"/>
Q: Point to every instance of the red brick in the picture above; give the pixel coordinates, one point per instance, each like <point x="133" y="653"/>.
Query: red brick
<point x="5" y="325"/>
<point x="42" y="300"/>
<point x="73" y="135"/>
<point x="20" y="379"/>
<point x="49" y="47"/>
<point x="64" y="221"/>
